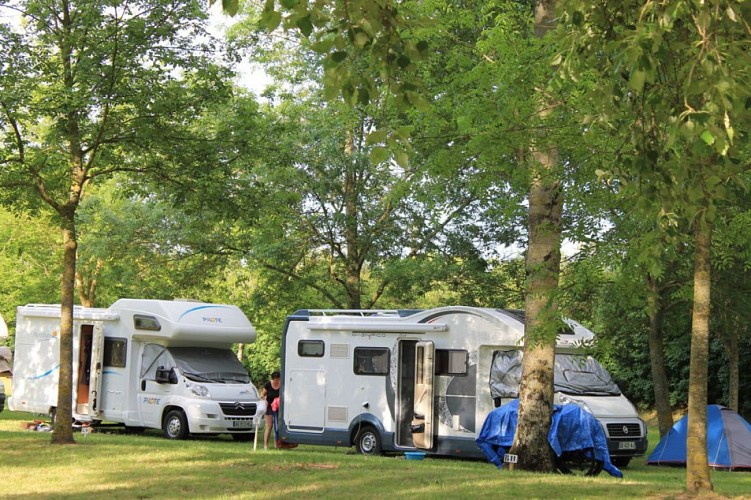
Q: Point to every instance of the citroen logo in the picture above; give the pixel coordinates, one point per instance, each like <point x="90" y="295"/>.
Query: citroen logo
<point x="625" y="429"/>
<point x="239" y="406"/>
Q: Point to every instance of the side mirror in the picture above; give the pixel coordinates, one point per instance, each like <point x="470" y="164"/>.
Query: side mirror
<point x="165" y="375"/>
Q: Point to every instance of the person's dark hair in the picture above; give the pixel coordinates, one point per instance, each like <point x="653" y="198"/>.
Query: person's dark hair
<point x="276" y="375"/>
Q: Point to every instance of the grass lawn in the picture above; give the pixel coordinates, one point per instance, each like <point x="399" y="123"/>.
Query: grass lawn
<point x="116" y="465"/>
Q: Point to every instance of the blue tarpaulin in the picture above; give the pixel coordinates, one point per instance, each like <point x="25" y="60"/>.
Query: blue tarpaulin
<point x="572" y="429"/>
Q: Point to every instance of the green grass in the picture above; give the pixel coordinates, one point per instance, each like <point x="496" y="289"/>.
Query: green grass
<point x="115" y="465"/>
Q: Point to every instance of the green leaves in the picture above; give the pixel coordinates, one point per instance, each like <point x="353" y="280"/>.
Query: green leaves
<point x="365" y="45"/>
<point x="230" y="7"/>
<point x="707" y="137"/>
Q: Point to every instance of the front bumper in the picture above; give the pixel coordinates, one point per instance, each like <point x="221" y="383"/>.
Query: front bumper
<point x="626" y="437"/>
<point x="213" y="417"/>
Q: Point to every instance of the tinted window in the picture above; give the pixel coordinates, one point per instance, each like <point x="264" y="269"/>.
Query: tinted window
<point x="371" y="361"/>
<point x="310" y="348"/>
<point x="450" y="362"/>
<point x="115" y="352"/>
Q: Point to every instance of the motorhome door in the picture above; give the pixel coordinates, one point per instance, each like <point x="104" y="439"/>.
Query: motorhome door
<point x="422" y="422"/>
<point x="95" y="385"/>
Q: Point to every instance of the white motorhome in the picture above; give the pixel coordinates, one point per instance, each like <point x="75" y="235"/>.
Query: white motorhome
<point x="143" y="363"/>
<point x="396" y="381"/>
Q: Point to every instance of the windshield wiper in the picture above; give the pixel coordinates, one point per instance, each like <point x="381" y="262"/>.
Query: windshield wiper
<point x="197" y="378"/>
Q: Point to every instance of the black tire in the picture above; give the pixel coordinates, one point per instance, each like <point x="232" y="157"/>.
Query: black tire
<point x="368" y="441"/>
<point x="243" y="437"/>
<point x="579" y="463"/>
<point x="175" y="425"/>
<point x="620" y="462"/>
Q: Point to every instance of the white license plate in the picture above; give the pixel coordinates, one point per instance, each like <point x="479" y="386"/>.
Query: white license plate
<point x="242" y="424"/>
<point x="627" y="445"/>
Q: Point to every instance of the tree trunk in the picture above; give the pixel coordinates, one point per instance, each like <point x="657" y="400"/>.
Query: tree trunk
<point x="351" y="233"/>
<point x="657" y="359"/>
<point x="731" y="351"/>
<point x="87" y="287"/>
<point x="543" y="268"/>
<point x="62" y="432"/>
<point x="697" y="468"/>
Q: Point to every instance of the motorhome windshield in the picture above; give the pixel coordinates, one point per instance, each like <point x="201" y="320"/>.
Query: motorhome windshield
<point x="203" y="364"/>
<point x="574" y="374"/>
<point x="583" y="375"/>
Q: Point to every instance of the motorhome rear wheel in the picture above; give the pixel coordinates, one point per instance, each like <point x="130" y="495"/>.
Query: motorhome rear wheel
<point x="367" y="441"/>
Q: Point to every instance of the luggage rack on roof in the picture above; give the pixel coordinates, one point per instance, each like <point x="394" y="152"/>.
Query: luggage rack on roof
<point x="354" y="312"/>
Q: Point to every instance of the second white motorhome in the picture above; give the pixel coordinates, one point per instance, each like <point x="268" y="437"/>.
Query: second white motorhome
<point x="426" y="380"/>
<point x="143" y="363"/>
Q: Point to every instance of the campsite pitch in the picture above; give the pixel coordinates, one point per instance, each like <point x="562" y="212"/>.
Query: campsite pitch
<point x="118" y="465"/>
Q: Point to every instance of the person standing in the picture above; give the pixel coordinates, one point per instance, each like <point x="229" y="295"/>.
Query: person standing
<point x="270" y="393"/>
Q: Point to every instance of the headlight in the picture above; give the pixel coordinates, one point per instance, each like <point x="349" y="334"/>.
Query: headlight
<point x="581" y="404"/>
<point x="198" y="390"/>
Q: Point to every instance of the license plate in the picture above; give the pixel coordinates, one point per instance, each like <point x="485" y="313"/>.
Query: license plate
<point x="242" y="424"/>
<point x="627" y="445"/>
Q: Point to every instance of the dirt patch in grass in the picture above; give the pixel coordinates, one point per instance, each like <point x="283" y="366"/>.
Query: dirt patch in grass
<point x="303" y="466"/>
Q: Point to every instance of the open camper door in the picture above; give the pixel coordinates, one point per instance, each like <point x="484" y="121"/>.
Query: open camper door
<point x="97" y="359"/>
<point x="422" y="421"/>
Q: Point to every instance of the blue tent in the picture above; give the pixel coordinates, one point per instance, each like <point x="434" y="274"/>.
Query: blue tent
<point x="728" y="441"/>
<point x="572" y="429"/>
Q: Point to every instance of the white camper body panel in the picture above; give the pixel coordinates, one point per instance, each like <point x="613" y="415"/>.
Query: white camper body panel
<point x="116" y="355"/>
<point x="328" y="398"/>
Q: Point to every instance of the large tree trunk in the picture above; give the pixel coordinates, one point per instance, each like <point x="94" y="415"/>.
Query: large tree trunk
<point x="697" y="468"/>
<point x="657" y="359"/>
<point x="543" y="268"/>
<point x="62" y="432"/>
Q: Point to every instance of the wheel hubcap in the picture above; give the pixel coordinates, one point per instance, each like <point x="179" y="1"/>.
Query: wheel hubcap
<point x="174" y="427"/>
<point x="368" y="442"/>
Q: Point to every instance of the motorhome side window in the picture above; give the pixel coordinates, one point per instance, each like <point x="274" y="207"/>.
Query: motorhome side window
<point x="371" y="361"/>
<point x="115" y="351"/>
<point x="143" y="322"/>
<point x="310" y="348"/>
<point x="450" y="362"/>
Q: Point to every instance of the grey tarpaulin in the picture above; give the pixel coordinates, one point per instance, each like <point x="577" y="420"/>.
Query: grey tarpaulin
<point x="574" y="374"/>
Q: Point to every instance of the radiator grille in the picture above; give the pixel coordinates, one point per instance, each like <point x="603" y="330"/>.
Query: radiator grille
<point x="242" y="409"/>
<point x="624" y="430"/>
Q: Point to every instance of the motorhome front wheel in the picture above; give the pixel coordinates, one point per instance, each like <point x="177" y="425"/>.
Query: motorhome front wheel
<point x="579" y="462"/>
<point x="367" y="441"/>
<point x="175" y="425"/>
